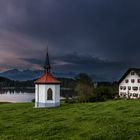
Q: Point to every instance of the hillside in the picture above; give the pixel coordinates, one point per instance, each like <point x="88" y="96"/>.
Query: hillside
<point x="87" y="121"/>
<point x="15" y="74"/>
<point x="3" y="79"/>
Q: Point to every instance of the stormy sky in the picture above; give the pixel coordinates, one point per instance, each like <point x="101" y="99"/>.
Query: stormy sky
<point x="100" y="37"/>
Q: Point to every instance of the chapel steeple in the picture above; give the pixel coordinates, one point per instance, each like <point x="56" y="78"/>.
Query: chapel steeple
<point x="47" y="66"/>
<point x="47" y="88"/>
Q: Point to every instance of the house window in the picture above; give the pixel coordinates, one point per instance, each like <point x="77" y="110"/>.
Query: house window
<point x="129" y="88"/>
<point x="132" y="80"/>
<point x="126" y="81"/>
<point x="49" y="94"/>
<point x="135" y="88"/>
<point x="135" y="95"/>
<point x="124" y="88"/>
<point x="132" y="73"/>
<point x="122" y="94"/>
<point x="138" y="80"/>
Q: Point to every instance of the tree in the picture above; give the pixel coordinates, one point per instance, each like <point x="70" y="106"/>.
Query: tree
<point x="103" y="93"/>
<point x="83" y="78"/>
<point x="83" y="87"/>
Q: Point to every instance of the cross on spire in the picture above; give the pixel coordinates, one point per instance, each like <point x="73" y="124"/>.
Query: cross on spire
<point x="47" y="66"/>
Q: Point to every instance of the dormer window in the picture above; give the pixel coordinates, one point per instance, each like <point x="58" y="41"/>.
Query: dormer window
<point x="126" y="81"/>
<point x="132" y="80"/>
<point x="132" y="73"/>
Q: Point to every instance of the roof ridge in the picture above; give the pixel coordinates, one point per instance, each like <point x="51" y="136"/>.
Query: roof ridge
<point x="136" y="70"/>
<point x="47" y="78"/>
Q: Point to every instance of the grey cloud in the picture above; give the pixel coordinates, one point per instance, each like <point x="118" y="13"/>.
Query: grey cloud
<point x="88" y="64"/>
<point x="106" y="31"/>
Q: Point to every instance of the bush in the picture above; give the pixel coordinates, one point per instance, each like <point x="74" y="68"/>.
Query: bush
<point x="102" y="94"/>
<point x="70" y="100"/>
<point x="33" y="100"/>
<point x="84" y="92"/>
<point x="83" y="87"/>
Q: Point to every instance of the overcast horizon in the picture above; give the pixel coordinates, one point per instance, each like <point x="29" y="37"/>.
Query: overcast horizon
<point x="96" y="37"/>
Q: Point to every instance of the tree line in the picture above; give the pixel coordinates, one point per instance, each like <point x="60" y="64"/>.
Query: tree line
<point x="88" y="91"/>
<point x="81" y="88"/>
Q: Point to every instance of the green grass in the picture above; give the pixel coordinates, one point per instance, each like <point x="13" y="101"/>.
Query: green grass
<point x="86" y="121"/>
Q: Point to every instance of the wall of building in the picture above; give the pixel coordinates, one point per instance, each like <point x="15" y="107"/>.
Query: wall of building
<point x="57" y="95"/>
<point x="41" y="95"/>
<point x="126" y="89"/>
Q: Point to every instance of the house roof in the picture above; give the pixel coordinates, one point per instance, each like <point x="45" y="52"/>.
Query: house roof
<point x="136" y="70"/>
<point x="47" y="78"/>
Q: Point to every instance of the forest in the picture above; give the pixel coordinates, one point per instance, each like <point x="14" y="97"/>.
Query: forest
<point x="81" y="86"/>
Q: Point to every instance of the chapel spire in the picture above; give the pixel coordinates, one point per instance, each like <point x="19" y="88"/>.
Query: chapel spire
<point x="47" y="66"/>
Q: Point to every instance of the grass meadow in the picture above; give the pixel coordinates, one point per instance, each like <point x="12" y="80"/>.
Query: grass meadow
<point x="110" y="120"/>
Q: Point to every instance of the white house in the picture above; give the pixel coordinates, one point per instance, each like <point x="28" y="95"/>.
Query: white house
<point x="129" y="84"/>
<point x="47" y="88"/>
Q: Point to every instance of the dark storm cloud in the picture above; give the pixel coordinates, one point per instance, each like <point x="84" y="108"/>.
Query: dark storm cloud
<point x="104" y="34"/>
<point x="93" y="65"/>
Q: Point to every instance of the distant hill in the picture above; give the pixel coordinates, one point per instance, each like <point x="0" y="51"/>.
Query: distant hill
<point x="3" y="79"/>
<point x="15" y="74"/>
<point x="24" y="75"/>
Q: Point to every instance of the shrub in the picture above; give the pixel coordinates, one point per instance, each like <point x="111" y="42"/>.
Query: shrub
<point x="102" y="94"/>
<point x="33" y="100"/>
<point x="84" y="92"/>
<point x="83" y="87"/>
<point x="70" y="100"/>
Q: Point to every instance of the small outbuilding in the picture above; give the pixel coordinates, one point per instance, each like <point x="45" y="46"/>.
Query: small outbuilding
<point x="47" y="88"/>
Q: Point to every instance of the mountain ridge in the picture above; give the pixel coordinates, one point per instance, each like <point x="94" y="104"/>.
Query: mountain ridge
<point x="15" y="74"/>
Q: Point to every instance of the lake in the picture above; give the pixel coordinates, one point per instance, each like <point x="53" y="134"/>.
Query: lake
<point x="15" y="97"/>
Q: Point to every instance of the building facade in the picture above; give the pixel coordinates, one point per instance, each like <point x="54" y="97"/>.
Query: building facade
<point x="129" y="84"/>
<point x="47" y="88"/>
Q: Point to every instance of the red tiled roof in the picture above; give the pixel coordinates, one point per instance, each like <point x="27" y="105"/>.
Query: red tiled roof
<point x="47" y="78"/>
